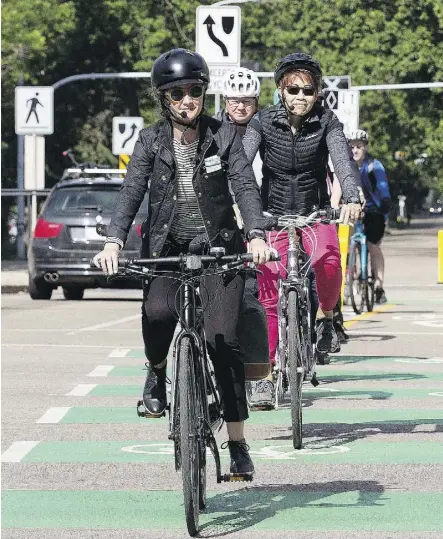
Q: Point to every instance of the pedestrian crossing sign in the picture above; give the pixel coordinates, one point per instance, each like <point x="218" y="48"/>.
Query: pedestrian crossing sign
<point x="34" y="110"/>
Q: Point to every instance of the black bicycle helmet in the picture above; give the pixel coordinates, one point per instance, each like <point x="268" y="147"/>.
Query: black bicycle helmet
<point x="297" y="60"/>
<point x="179" y="66"/>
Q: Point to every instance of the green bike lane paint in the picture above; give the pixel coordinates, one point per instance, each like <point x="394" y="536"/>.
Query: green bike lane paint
<point x="278" y="507"/>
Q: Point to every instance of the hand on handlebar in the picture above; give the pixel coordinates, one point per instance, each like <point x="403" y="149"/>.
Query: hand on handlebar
<point x="260" y="251"/>
<point x="350" y="213"/>
<point x="107" y="259"/>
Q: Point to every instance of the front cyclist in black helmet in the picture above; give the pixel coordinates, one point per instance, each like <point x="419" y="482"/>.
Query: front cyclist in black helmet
<point x="186" y="162"/>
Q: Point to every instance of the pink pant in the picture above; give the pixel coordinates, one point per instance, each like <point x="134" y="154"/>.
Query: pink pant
<point x="325" y="253"/>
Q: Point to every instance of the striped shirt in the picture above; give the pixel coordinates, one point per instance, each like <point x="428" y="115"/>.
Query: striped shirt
<point x="187" y="222"/>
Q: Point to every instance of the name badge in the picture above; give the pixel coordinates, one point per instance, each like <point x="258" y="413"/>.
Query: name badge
<point x="213" y="163"/>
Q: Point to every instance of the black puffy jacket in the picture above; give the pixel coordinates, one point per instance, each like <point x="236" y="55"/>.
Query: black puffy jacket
<point x="294" y="166"/>
<point x="153" y="168"/>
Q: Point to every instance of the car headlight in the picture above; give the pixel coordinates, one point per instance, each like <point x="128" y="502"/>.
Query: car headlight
<point x="431" y="210"/>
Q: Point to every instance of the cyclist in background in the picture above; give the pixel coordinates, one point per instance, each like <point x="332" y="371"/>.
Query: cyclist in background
<point x="296" y="137"/>
<point x="241" y="92"/>
<point x="378" y="200"/>
<point x="187" y="161"/>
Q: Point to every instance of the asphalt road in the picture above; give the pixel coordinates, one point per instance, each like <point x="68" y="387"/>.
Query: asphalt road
<point x="78" y="462"/>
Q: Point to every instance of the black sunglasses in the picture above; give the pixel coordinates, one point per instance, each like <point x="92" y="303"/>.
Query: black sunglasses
<point x="295" y="89"/>
<point x="178" y="93"/>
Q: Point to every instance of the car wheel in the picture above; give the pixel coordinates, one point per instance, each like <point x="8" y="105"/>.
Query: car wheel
<point x="39" y="289"/>
<point x="73" y="292"/>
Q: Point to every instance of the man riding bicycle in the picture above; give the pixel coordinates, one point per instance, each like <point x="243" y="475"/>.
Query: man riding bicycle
<point x="241" y="92"/>
<point x="295" y="137"/>
<point x="378" y="200"/>
<point x="187" y="162"/>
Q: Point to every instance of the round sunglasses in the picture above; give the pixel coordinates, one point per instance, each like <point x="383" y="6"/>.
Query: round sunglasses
<point x="295" y="89"/>
<point x="178" y="93"/>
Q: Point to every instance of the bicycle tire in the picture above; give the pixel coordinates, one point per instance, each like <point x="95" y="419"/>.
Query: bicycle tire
<point x="355" y="278"/>
<point x="369" y="292"/>
<point x="189" y="447"/>
<point x="295" y="371"/>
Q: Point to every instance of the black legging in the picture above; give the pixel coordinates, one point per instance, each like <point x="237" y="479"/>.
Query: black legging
<point x="221" y="300"/>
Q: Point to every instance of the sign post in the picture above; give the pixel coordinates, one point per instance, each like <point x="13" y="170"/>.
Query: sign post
<point x="34" y="115"/>
<point x="218" y="40"/>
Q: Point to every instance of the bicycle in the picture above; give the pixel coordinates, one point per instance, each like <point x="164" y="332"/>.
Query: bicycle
<point x="295" y="358"/>
<point x="360" y="278"/>
<point x="194" y="408"/>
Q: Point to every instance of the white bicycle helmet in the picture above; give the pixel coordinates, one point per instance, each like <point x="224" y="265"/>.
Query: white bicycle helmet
<point x="241" y="82"/>
<point x="359" y="134"/>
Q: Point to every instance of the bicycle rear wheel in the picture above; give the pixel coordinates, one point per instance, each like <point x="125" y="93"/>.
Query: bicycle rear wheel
<point x="355" y="281"/>
<point x="295" y="362"/>
<point x="189" y="439"/>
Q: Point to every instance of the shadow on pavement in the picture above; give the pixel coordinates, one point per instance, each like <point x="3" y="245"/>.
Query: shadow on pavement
<point x="240" y="509"/>
<point x="389" y="376"/>
<point x="334" y="434"/>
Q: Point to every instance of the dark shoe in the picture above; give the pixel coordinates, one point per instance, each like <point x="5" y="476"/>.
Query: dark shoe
<point x="343" y="337"/>
<point x="321" y="359"/>
<point x="154" y="392"/>
<point x="327" y="340"/>
<point x="380" y="296"/>
<point x="260" y="394"/>
<point x="240" y="460"/>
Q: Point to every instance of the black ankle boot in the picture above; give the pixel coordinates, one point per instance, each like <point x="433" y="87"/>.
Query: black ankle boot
<point x="327" y="340"/>
<point x="154" y="392"/>
<point x="240" y="460"/>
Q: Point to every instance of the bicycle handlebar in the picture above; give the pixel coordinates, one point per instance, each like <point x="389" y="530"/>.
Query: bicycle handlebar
<point x="328" y="215"/>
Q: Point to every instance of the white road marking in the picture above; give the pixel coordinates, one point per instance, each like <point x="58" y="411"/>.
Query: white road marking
<point x="425" y="428"/>
<point x="106" y="324"/>
<point x="437" y="394"/>
<point x="119" y="352"/>
<point x="429" y="361"/>
<point x="52" y="330"/>
<point x="101" y="370"/>
<point x="81" y="390"/>
<point x="18" y="451"/>
<point x="54" y="415"/>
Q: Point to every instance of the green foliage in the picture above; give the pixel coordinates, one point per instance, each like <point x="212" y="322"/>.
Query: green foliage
<point x="375" y="41"/>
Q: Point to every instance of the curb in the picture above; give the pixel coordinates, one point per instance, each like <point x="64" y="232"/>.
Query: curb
<point x="14" y="288"/>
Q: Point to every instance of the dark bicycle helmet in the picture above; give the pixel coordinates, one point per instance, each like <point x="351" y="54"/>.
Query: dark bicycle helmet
<point x="297" y="60"/>
<point x="179" y="66"/>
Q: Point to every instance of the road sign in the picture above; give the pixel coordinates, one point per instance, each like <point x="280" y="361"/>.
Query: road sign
<point x="217" y="75"/>
<point x="34" y="110"/>
<point x="218" y="30"/>
<point x="125" y="130"/>
<point x="337" y="82"/>
<point x="345" y="104"/>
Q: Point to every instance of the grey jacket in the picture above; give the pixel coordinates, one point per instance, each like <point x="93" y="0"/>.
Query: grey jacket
<point x="152" y="169"/>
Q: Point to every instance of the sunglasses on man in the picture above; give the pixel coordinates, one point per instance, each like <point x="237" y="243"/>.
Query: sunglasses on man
<point x="296" y="89"/>
<point x="178" y="93"/>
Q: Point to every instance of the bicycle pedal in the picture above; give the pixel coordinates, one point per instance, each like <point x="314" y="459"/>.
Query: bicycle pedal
<point x="142" y="412"/>
<point x="231" y="477"/>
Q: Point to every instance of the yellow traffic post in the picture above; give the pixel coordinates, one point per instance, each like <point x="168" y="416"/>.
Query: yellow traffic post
<point x="343" y="238"/>
<point x="123" y="160"/>
<point x="440" y="256"/>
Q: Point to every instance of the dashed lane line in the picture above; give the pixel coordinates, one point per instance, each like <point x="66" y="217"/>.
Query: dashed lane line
<point x="120" y="352"/>
<point x="54" y="415"/>
<point x="18" y="450"/>
<point x="81" y="390"/>
<point x="101" y="370"/>
<point x="106" y="324"/>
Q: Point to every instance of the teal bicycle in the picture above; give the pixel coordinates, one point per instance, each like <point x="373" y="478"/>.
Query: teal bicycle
<point x="360" y="278"/>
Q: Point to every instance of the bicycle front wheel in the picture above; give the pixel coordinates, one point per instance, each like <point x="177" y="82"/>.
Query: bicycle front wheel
<point x="355" y="281"/>
<point x="296" y="373"/>
<point x="189" y="446"/>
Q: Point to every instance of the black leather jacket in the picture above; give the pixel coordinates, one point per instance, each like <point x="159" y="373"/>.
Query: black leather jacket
<point x="152" y="168"/>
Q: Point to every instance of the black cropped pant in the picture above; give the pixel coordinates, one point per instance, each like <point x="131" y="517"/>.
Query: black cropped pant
<point x="221" y="300"/>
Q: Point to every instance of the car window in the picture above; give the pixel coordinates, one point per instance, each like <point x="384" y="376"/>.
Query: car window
<point x="78" y="199"/>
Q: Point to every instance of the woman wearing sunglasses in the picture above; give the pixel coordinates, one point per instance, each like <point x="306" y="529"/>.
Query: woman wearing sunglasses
<point x="295" y="137"/>
<point x="187" y="162"/>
